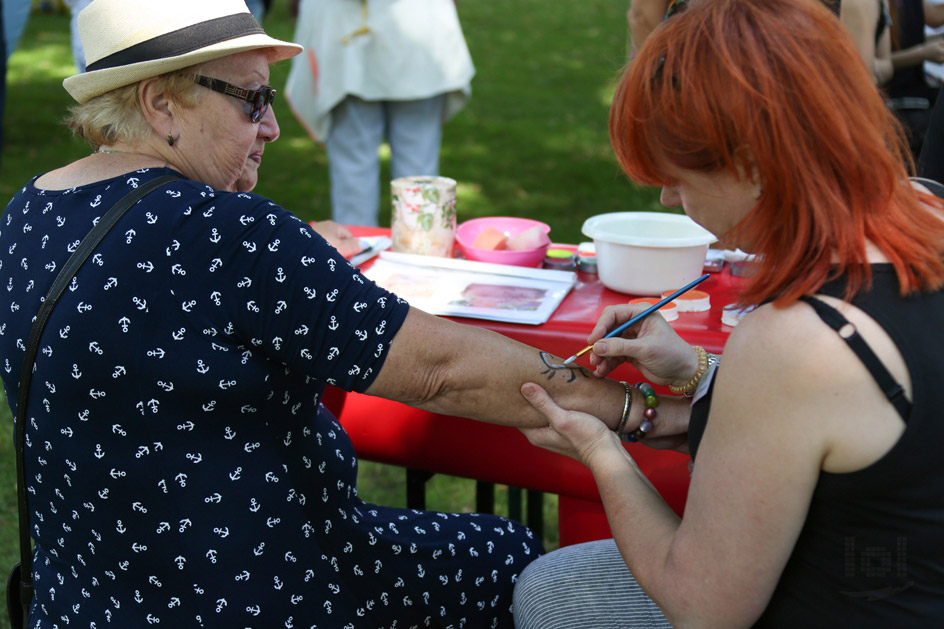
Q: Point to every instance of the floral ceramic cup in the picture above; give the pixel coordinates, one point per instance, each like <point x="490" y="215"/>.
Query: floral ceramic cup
<point x="424" y="215"/>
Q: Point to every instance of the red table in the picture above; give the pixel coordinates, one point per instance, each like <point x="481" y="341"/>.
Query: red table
<point x="390" y="432"/>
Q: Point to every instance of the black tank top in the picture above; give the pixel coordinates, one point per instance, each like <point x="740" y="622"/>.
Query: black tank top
<point x="871" y="552"/>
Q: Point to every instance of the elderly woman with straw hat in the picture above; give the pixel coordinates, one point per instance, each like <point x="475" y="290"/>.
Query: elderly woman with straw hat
<point x="177" y="464"/>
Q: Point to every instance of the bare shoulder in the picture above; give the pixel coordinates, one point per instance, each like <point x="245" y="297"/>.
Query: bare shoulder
<point x="781" y="337"/>
<point x="797" y="344"/>
<point x="806" y="367"/>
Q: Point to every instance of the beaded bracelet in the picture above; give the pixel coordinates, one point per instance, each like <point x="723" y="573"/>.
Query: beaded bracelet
<point x="652" y="401"/>
<point x="688" y="389"/>
<point x="626" y="402"/>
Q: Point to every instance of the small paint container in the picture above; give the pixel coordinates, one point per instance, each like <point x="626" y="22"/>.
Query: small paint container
<point x="714" y="261"/>
<point x="692" y="301"/>
<point x="587" y="262"/>
<point x="732" y="315"/>
<point x="560" y="260"/>
<point x="742" y="268"/>
<point x="669" y="311"/>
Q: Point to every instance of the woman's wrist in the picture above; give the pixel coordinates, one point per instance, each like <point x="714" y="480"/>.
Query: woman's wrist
<point x="701" y="366"/>
<point x="634" y="411"/>
<point x="648" y="401"/>
<point x="627" y="407"/>
<point x="703" y="360"/>
<point x="688" y="371"/>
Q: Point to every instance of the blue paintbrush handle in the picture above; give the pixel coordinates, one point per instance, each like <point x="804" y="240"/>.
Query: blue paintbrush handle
<point x="642" y="315"/>
<point x="648" y="311"/>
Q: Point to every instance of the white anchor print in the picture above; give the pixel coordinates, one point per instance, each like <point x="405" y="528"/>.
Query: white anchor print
<point x="219" y="325"/>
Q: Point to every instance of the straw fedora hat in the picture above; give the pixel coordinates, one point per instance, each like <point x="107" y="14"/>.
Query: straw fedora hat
<point x="126" y="41"/>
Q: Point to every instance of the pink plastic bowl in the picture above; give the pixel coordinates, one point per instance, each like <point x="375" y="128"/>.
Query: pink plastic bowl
<point x="469" y="230"/>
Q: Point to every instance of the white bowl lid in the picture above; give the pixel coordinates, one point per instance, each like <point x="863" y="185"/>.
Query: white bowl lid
<point x="647" y="229"/>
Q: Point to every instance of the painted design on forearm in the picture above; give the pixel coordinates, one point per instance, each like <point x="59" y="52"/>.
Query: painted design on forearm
<point x="554" y="366"/>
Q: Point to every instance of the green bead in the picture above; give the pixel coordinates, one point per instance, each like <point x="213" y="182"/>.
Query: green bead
<point x="652" y="401"/>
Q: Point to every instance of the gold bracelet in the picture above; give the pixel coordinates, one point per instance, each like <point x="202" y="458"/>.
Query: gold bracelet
<point x="688" y="389"/>
<point x="626" y="403"/>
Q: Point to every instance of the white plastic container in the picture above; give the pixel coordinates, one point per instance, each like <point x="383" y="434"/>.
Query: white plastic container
<point x="646" y="253"/>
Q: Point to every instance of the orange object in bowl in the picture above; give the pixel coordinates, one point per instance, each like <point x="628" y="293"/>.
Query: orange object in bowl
<point x="508" y="226"/>
<point x="490" y="238"/>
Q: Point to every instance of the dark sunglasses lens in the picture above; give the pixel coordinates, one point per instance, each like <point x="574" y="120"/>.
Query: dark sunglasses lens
<point x="260" y="103"/>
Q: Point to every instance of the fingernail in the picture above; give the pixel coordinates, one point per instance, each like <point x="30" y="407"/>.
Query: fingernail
<point x="527" y="390"/>
<point x="599" y="347"/>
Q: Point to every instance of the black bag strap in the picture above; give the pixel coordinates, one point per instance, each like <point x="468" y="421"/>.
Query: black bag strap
<point x="890" y="387"/>
<point x="82" y="252"/>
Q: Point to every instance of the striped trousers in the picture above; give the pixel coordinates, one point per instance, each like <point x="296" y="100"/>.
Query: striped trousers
<point x="583" y="586"/>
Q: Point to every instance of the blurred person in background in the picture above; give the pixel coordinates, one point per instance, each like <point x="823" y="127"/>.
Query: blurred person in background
<point x="910" y="95"/>
<point x="869" y="23"/>
<point x="644" y="15"/>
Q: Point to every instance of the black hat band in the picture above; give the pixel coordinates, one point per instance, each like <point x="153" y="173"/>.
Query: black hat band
<point x="182" y="41"/>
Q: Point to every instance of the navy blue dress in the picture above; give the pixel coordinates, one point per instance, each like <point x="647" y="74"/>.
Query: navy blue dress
<point x="180" y="467"/>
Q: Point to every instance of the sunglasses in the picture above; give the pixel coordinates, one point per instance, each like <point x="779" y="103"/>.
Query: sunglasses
<point x="259" y="99"/>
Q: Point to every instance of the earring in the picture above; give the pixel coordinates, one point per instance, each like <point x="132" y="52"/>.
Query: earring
<point x="170" y="140"/>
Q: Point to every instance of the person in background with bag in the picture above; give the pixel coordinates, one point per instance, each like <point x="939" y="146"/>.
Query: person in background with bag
<point x="817" y="491"/>
<point x="178" y="466"/>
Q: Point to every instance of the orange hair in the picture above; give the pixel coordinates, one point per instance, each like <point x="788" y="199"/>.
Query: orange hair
<point x="775" y="87"/>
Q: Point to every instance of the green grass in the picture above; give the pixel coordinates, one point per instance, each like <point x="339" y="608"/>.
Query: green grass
<point x="532" y="142"/>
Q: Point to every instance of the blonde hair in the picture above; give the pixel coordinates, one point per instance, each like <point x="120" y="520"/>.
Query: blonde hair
<point x="116" y="116"/>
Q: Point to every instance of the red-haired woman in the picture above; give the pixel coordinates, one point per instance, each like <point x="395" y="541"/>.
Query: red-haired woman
<point x="817" y="492"/>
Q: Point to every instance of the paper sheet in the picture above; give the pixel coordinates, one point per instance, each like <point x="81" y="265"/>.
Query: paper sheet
<point x="463" y="288"/>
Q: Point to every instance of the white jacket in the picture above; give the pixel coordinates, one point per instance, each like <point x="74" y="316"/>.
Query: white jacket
<point x="412" y="49"/>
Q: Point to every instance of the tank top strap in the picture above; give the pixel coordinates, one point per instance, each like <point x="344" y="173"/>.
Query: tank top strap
<point x="890" y="387"/>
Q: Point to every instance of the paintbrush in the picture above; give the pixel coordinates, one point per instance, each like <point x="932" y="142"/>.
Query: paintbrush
<point x="642" y="315"/>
